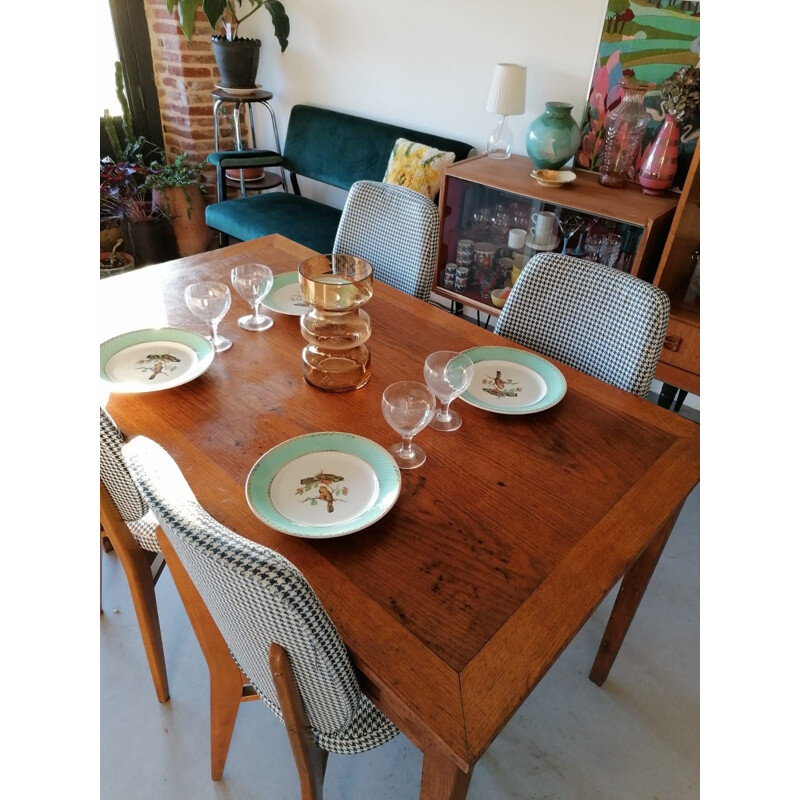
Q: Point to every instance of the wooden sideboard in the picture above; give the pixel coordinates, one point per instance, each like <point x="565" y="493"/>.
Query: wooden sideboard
<point x="679" y="365"/>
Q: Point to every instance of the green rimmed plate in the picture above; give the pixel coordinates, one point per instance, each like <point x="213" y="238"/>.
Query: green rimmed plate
<point x="153" y="359"/>
<point x="323" y="485"/>
<point x="285" y="297"/>
<point x="511" y="381"/>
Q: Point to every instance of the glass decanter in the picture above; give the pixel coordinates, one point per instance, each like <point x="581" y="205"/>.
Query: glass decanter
<point x="336" y="328"/>
<point x="625" y="126"/>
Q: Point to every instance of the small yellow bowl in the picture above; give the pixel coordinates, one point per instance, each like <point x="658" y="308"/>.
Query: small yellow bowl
<point x="497" y="300"/>
<point x="553" y="177"/>
<point x="515" y="272"/>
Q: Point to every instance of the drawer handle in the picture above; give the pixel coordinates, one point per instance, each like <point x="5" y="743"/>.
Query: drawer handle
<point x="672" y="342"/>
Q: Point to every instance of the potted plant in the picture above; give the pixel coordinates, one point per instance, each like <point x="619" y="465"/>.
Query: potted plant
<point x="179" y="192"/>
<point x="115" y="259"/>
<point x="237" y="58"/>
<point x="124" y="201"/>
<point x="146" y="230"/>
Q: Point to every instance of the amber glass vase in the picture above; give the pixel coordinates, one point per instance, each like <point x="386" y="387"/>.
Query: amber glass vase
<point x="336" y="357"/>
<point x="625" y="126"/>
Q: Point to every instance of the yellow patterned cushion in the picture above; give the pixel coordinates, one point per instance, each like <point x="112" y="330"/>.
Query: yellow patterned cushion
<point x="417" y="167"/>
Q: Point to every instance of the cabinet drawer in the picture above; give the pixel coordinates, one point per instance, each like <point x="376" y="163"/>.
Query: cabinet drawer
<point x="682" y="346"/>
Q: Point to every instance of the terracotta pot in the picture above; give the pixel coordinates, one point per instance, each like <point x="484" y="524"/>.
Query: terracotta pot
<point x="250" y="173"/>
<point x="126" y="256"/>
<point x="188" y="218"/>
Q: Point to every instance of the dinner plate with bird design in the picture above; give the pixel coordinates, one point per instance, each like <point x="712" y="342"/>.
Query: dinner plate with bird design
<point x="323" y="485"/>
<point x="511" y="381"/>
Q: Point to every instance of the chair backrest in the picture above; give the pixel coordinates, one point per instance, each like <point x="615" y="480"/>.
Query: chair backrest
<point x="338" y="149"/>
<point x="396" y="230"/>
<point x="255" y="596"/>
<point x="114" y="474"/>
<point x="594" y="318"/>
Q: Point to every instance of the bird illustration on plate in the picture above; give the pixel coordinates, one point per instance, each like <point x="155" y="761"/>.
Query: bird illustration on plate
<point x="157" y="364"/>
<point x="500" y="386"/>
<point x="328" y="487"/>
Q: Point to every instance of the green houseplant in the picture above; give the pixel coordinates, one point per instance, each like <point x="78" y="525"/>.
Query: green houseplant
<point x="237" y="58"/>
<point x="177" y="190"/>
<point x="126" y="210"/>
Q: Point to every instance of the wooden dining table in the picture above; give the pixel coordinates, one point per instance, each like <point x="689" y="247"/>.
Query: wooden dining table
<point x="500" y="546"/>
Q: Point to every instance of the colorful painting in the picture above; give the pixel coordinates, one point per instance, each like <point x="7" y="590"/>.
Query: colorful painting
<point x="653" y="41"/>
<point x="327" y="487"/>
<point x="500" y="386"/>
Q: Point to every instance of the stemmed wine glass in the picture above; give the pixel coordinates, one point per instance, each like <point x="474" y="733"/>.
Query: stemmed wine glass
<point x="408" y="406"/>
<point x="569" y="226"/>
<point x="448" y="375"/>
<point x="253" y="282"/>
<point x="210" y="301"/>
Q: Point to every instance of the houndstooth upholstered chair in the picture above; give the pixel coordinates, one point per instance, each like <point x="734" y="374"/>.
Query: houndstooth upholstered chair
<point x="594" y="318"/>
<point x="394" y="228"/>
<point x="131" y="527"/>
<point x="268" y="618"/>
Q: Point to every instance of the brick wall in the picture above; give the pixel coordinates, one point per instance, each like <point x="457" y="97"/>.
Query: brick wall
<point x="185" y="74"/>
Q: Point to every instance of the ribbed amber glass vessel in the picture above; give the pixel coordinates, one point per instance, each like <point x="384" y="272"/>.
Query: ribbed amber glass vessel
<point x="336" y="357"/>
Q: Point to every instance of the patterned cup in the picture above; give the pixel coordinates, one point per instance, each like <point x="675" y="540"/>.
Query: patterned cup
<point x="449" y="275"/>
<point x="462" y="275"/>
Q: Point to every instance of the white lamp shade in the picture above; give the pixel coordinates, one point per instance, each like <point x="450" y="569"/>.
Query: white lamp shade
<point x="507" y="93"/>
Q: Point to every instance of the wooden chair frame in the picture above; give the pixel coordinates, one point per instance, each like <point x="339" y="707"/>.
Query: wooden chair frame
<point x="142" y="570"/>
<point x="229" y="687"/>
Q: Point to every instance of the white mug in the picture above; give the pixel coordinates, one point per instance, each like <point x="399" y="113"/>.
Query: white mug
<point x="516" y="238"/>
<point x="543" y="224"/>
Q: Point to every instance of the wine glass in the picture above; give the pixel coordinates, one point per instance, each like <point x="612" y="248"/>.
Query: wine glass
<point x="408" y="406"/>
<point x="210" y="301"/>
<point x="448" y="375"/>
<point x="594" y="238"/>
<point x="253" y="282"/>
<point x="569" y="226"/>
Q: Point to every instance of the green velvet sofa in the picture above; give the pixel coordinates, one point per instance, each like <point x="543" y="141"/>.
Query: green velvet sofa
<point x="327" y="146"/>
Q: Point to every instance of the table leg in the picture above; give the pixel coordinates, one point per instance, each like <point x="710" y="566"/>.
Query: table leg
<point x="442" y="778"/>
<point x="630" y="595"/>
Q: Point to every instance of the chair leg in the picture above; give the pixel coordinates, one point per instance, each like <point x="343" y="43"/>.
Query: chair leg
<point x="225" y="683"/>
<point x="136" y="564"/>
<point x="225" y="678"/>
<point x="310" y="759"/>
<point x="143" y="594"/>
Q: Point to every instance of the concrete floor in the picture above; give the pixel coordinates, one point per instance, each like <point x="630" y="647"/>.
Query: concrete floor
<point x="637" y="738"/>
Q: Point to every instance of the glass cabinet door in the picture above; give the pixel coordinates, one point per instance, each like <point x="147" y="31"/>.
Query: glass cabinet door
<point x="489" y="235"/>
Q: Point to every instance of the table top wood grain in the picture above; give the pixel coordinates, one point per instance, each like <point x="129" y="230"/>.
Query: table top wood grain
<point x="500" y="546"/>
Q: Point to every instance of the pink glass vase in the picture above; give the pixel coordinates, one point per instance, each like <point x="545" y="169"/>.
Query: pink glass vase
<point x="661" y="158"/>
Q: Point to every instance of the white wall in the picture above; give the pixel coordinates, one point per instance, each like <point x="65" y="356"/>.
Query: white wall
<point x="426" y="63"/>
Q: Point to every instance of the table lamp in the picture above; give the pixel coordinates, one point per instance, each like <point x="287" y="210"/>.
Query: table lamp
<point x="506" y="97"/>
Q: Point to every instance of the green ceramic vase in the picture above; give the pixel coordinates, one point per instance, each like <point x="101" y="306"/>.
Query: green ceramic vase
<point x="553" y="137"/>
